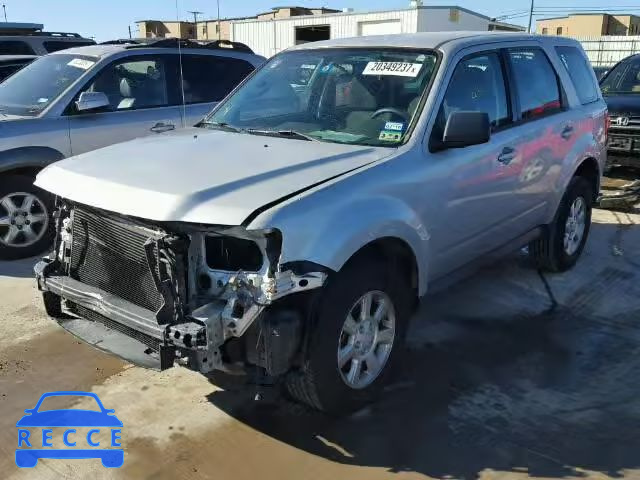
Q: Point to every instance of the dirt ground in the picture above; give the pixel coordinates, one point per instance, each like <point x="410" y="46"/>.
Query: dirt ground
<point x="509" y="374"/>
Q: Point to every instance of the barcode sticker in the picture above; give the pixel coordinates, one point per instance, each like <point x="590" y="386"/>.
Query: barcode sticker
<point x="81" y="63"/>
<point x="400" y="69"/>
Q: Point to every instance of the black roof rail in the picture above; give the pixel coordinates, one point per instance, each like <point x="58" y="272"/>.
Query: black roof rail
<point x="124" y="41"/>
<point x="228" y="44"/>
<point x="41" y="34"/>
<point x="183" y="43"/>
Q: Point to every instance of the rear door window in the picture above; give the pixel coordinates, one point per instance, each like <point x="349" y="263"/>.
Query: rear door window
<point x="581" y="74"/>
<point x="15" y="47"/>
<point x="536" y="82"/>
<point x="209" y="78"/>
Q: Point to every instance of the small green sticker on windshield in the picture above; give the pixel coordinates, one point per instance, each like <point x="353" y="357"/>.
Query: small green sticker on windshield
<point x="390" y="136"/>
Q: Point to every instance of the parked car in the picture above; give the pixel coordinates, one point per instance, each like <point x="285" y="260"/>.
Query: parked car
<point x="10" y="64"/>
<point x="299" y="228"/>
<point x="73" y="101"/>
<point x="40" y="43"/>
<point x="620" y="88"/>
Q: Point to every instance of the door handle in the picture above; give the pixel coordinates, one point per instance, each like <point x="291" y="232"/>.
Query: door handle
<point x="567" y="132"/>
<point x="507" y="155"/>
<point x="163" y="127"/>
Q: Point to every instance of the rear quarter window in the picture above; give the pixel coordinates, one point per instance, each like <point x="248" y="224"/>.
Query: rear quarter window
<point x="580" y="73"/>
<point x="536" y="82"/>
<point x="209" y="78"/>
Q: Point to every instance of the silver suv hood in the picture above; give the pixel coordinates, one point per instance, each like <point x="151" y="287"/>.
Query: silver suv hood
<point x="201" y="176"/>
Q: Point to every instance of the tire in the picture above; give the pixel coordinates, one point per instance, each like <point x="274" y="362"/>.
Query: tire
<point x="549" y="252"/>
<point x="37" y="221"/>
<point x="319" y="383"/>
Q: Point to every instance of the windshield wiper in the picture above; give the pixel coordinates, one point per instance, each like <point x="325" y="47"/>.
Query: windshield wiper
<point x="282" y="133"/>
<point x="220" y="125"/>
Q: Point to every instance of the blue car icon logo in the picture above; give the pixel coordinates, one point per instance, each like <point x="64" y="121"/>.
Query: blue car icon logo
<point x="31" y="447"/>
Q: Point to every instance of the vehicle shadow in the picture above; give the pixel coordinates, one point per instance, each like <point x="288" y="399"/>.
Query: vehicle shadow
<point x="18" y="268"/>
<point x="550" y="392"/>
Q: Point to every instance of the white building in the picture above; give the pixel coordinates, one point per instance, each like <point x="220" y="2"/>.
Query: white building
<point x="268" y="37"/>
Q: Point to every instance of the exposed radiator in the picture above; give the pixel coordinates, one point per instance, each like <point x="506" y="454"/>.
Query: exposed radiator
<point x="109" y="254"/>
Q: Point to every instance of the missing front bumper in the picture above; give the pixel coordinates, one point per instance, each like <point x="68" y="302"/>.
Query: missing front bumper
<point x="270" y="335"/>
<point x="108" y="322"/>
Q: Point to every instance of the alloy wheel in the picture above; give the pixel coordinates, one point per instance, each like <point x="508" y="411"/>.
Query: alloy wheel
<point x="575" y="226"/>
<point x="23" y="219"/>
<point x="366" y="339"/>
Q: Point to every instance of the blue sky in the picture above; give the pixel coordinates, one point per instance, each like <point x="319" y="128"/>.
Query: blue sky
<point x="109" y="19"/>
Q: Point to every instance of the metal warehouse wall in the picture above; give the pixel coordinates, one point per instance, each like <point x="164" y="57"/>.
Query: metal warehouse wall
<point x="608" y="50"/>
<point x="268" y="37"/>
<point x="437" y="19"/>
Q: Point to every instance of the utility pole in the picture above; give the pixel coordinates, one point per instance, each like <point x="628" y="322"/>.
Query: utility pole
<point x="195" y="15"/>
<point x="530" y="16"/>
<point x="129" y="26"/>
<point x="195" y="20"/>
<point x="218" y="19"/>
<point x="4" y="8"/>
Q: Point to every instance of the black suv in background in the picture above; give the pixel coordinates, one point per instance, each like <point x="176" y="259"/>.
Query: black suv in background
<point x="621" y="90"/>
<point x="10" y="64"/>
<point x="40" y="43"/>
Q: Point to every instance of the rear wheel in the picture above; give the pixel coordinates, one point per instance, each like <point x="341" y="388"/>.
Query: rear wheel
<point x="358" y="337"/>
<point x="26" y="228"/>
<point x="562" y="244"/>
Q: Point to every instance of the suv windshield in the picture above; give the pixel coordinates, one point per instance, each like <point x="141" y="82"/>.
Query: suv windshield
<point x="33" y="88"/>
<point x="624" y="78"/>
<point x="357" y="96"/>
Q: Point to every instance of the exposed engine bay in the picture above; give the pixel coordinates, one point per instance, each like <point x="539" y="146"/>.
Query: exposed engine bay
<point x="206" y="297"/>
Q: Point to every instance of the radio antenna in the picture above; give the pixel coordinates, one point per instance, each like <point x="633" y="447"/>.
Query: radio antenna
<point x="184" y="106"/>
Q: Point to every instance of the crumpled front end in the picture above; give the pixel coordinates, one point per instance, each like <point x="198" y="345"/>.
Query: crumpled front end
<point x="210" y="298"/>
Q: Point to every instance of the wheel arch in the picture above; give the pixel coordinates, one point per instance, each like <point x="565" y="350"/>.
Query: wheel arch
<point x="590" y="170"/>
<point x="27" y="160"/>
<point x="396" y="253"/>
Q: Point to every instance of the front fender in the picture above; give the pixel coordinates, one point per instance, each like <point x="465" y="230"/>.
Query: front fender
<point x="331" y="238"/>
<point x="30" y="157"/>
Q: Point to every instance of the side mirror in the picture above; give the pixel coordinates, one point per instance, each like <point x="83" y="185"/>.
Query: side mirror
<point x="92" y="101"/>
<point x="464" y="129"/>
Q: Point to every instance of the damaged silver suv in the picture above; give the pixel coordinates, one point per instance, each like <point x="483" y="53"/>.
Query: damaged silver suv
<point x="290" y="235"/>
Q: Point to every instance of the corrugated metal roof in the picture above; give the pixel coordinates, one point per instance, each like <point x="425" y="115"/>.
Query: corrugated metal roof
<point x="413" y="40"/>
<point x="339" y="14"/>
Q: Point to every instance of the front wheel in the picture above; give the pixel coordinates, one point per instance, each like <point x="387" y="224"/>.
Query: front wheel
<point x="358" y="336"/>
<point x="26" y="227"/>
<point x="562" y="244"/>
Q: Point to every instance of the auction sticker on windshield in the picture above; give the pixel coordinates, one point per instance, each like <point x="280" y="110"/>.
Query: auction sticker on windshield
<point x="81" y="63"/>
<point x="400" y="69"/>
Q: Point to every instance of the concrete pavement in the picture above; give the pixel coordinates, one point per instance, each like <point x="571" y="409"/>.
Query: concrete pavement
<point x="508" y="374"/>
